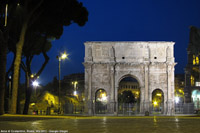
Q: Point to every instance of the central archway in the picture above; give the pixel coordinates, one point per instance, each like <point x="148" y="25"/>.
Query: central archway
<point x="128" y="96"/>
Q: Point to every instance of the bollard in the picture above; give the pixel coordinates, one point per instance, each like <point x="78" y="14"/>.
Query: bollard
<point x="146" y="113"/>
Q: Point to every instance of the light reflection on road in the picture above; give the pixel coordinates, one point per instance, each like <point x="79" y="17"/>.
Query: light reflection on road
<point x="109" y="125"/>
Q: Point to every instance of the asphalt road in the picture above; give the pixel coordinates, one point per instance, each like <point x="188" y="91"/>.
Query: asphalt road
<point x="151" y="124"/>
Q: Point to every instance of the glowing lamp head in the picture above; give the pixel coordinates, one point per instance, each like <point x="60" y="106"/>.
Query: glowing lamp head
<point x="35" y="83"/>
<point x="75" y="82"/>
<point x="155" y="103"/>
<point x="103" y="97"/>
<point x="158" y="94"/>
<point x="64" y="55"/>
<point x="177" y="99"/>
<point x="75" y="93"/>
<point x="32" y="76"/>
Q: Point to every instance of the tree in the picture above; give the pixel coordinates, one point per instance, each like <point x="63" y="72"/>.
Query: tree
<point x="49" y="17"/>
<point x="27" y="12"/>
<point x="3" y="53"/>
<point x="126" y="97"/>
<point x="34" y="45"/>
<point x="52" y="86"/>
<point x="4" y="38"/>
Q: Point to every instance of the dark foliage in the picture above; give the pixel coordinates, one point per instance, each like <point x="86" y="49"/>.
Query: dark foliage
<point x="45" y="20"/>
<point x="126" y="97"/>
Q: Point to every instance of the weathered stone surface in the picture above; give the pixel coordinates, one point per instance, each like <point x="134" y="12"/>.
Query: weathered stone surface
<point x="151" y="63"/>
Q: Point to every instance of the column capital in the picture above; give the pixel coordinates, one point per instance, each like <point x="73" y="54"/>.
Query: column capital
<point x="87" y="64"/>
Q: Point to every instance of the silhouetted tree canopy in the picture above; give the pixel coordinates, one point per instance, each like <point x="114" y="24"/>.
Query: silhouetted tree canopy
<point x="31" y="23"/>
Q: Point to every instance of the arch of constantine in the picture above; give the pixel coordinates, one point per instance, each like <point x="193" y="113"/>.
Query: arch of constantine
<point x="151" y="64"/>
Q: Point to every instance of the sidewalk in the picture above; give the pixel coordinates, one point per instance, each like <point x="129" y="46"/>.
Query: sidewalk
<point x="19" y="117"/>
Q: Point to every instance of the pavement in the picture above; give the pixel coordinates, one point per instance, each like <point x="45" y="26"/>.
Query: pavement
<point x="41" y="117"/>
<point x="98" y="124"/>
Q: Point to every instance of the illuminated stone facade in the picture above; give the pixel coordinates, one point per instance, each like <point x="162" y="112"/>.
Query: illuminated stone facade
<point x="150" y="63"/>
<point x="192" y="73"/>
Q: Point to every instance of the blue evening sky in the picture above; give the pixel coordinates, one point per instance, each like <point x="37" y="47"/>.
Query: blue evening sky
<point x="124" y="20"/>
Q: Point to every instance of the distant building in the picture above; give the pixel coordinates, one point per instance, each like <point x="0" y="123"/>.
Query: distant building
<point x="192" y="69"/>
<point x="68" y="82"/>
<point x="73" y="77"/>
<point x="130" y="85"/>
<point x="179" y="86"/>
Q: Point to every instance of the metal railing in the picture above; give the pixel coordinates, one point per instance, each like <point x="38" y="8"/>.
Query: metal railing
<point x="122" y="109"/>
<point x="184" y="108"/>
<point x="128" y="108"/>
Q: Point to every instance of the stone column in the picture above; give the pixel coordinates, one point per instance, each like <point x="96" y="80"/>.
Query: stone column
<point x="165" y="102"/>
<point x="116" y="100"/>
<point x="89" y="99"/>
<point x="112" y="91"/>
<point x="116" y="88"/>
<point x="169" y="90"/>
<point x="143" y="103"/>
<point x="146" y="88"/>
<point x="172" y="89"/>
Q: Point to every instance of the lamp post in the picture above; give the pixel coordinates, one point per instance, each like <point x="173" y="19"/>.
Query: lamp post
<point x="177" y="100"/>
<point x="35" y="84"/>
<point x="60" y="57"/>
<point x="6" y="14"/>
<point x="75" y="83"/>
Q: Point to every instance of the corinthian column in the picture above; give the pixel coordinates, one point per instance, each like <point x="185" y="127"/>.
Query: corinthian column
<point x="112" y="91"/>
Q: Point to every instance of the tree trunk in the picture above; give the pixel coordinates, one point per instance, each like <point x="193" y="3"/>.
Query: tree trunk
<point x="18" y="96"/>
<point x="27" y="101"/>
<point x="3" y="57"/>
<point x="29" y="80"/>
<point x="8" y="84"/>
<point x="17" y="63"/>
<point x="28" y="94"/>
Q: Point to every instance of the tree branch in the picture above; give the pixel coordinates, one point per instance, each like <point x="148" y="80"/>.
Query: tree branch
<point x="11" y="67"/>
<point x="44" y="64"/>
<point x="28" y="64"/>
<point x="33" y="10"/>
<point x="23" y="66"/>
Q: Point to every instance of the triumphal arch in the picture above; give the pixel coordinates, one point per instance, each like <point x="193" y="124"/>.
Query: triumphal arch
<point x="151" y="64"/>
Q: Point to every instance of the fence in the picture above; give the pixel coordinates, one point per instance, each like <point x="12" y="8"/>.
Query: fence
<point x="123" y="109"/>
<point x="156" y="108"/>
<point x="128" y="108"/>
<point x="185" y="108"/>
<point x="70" y="108"/>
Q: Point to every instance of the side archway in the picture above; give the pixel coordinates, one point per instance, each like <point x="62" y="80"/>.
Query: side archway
<point x="101" y="101"/>
<point x="157" y="101"/>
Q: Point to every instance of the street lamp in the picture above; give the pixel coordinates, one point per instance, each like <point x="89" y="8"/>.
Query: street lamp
<point x="75" y="83"/>
<point x="6" y="14"/>
<point x="62" y="56"/>
<point x="177" y="100"/>
<point x="103" y="97"/>
<point x="35" y="84"/>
